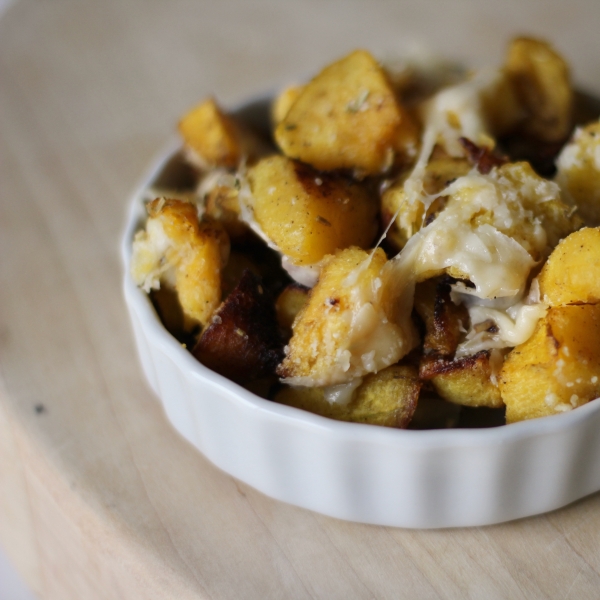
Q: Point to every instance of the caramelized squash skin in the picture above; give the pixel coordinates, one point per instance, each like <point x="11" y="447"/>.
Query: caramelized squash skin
<point x="243" y="342"/>
<point x="466" y="381"/>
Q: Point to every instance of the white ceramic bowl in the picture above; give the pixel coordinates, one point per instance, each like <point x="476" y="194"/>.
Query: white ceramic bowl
<point x="402" y="478"/>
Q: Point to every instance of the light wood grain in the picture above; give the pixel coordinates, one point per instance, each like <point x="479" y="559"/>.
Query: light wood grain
<point x="99" y="498"/>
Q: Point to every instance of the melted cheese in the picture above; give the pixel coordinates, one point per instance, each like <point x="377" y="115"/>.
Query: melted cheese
<point x="342" y="393"/>
<point x="485" y="234"/>
<point x="513" y="326"/>
<point x="453" y="113"/>
<point x="471" y="236"/>
<point x="148" y="264"/>
<point x="514" y="319"/>
<point x="363" y="333"/>
<point x="307" y="275"/>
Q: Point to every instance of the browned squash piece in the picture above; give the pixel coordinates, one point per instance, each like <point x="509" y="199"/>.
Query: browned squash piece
<point x="571" y="274"/>
<point x="309" y="214"/>
<point x="388" y="398"/>
<point x="444" y="321"/>
<point x="502" y="107"/>
<point x="234" y="269"/>
<point x="466" y="381"/>
<point x="242" y="342"/>
<point x="543" y="85"/>
<point x="348" y="117"/>
<point x="558" y="368"/>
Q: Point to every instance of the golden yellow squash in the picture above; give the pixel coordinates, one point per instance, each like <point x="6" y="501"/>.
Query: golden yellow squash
<point x="180" y="252"/>
<point x="347" y="117"/>
<point x="558" y="368"/>
<point x="571" y="274"/>
<point x="345" y="330"/>
<point x="309" y="214"/>
<point x="211" y="135"/>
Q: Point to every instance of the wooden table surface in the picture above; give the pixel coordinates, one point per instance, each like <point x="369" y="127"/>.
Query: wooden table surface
<point x="99" y="498"/>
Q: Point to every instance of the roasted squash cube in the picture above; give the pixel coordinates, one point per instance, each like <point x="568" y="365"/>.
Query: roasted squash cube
<point x="571" y="274"/>
<point x="181" y="252"/>
<point x="444" y="321"/>
<point x="388" y="398"/>
<point x="283" y="102"/>
<point x="347" y="328"/>
<point x="213" y="138"/>
<point x="347" y="117"/>
<point x="309" y="214"/>
<point x="212" y="135"/>
<point x="242" y="342"/>
<point x="467" y="381"/>
<point x="558" y="368"/>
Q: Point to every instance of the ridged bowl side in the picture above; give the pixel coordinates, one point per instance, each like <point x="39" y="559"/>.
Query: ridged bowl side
<point x="420" y="479"/>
